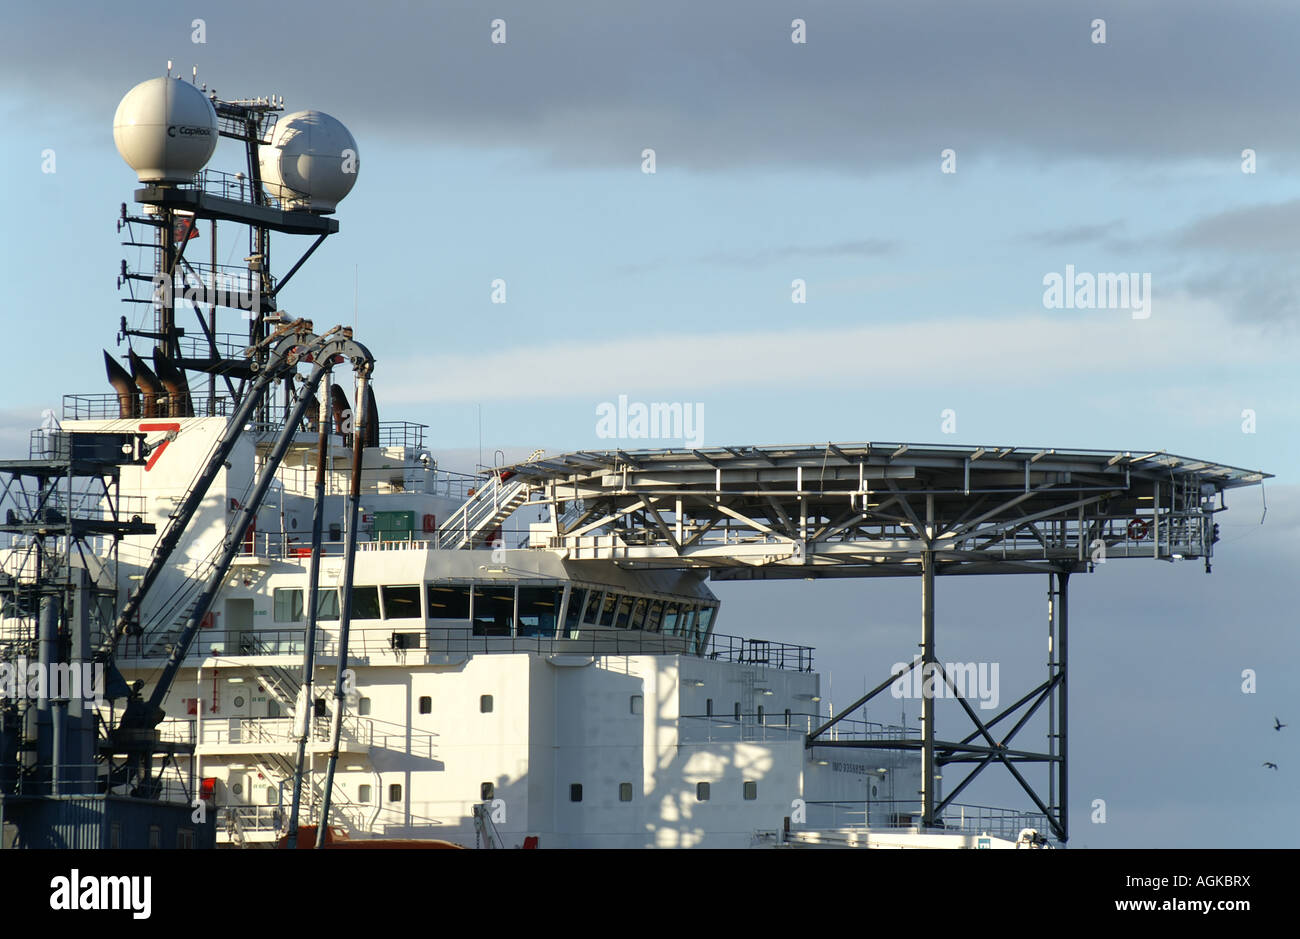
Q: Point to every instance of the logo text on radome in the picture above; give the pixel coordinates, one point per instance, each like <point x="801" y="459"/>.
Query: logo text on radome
<point x="659" y="420"/>
<point x="1109" y="291"/>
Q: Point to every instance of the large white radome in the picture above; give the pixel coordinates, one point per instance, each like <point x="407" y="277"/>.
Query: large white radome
<point x="311" y="160"/>
<point x="166" y="130"/>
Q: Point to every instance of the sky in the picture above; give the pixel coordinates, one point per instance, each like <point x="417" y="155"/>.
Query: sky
<point x="916" y="174"/>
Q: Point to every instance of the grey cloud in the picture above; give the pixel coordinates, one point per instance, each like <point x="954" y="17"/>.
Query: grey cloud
<point x="1106" y="232"/>
<point x="710" y="85"/>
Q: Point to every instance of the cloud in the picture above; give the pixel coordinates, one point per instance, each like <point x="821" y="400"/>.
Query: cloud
<point x="709" y="86"/>
<point x="1075" y="235"/>
<point x="1103" y="345"/>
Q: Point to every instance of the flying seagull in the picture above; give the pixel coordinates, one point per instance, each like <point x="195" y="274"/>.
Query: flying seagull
<point x="1271" y="765"/>
<point x="1277" y="724"/>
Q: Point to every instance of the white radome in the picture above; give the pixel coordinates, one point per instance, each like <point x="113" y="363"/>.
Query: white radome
<point x="311" y="160"/>
<point x="165" y="129"/>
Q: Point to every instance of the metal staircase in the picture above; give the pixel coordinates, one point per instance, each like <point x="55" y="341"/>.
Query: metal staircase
<point x="483" y="513"/>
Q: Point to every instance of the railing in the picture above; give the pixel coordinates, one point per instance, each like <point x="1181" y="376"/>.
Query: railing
<point x="774" y="726"/>
<point x="905" y="815"/>
<point x="396" y="638"/>
<point x="276" y="730"/>
<point x="96" y="407"/>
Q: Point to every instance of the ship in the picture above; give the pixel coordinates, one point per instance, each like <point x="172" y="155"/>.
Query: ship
<point x="322" y="637"/>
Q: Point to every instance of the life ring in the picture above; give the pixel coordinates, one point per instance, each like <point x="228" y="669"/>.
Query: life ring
<point x="430" y="523"/>
<point x="1137" y="529"/>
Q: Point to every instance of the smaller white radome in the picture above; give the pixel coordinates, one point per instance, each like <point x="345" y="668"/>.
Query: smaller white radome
<point x="166" y="130"/>
<point x="311" y="161"/>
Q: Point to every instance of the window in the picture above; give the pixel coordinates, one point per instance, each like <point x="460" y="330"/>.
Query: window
<point x="487" y="792"/>
<point x="708" y="708"/>
<point x="760" y="713"/>
<point x="426" y="704"/>
<point x="485" y="704"/>
<point x="685" y="621"/>
<point x="401" y="602"/>
<point x="405" y="640"/>
<point x="272" y="795"/>
<point x="288" y="605"/>
<point x="736" y="712"/>
<point x="624" y="611"/>
<point x="321" y="709"/>
<point x="625" y="792"/>
<point x="592" y="613"/>
<point x="327" y="604"/>
<point x="637" y="702"/>
<point x="538" y="607"/>
<point x="701" y="792"/>
<point x="115" y="835"/>
<point x="575" y="792"/>
<point x="751" y="790"/>
<point x="787" y="717"/>
<point x="638" y="613"/>
<point x="395" y="792"/>
<point x="494" y="611"/>
<point x="363" y="794"/>
<point x="365" y="603"/>
<point x="155" y="837"/>
<point x="607" y="609"/>
<point x="448" y="602"/>
<point x="363" y="707"/>
<point x="573" y="615"/>
<point x="670" y="619"/>
<point x="654" y="617"/>
<point x="185" y="838"/>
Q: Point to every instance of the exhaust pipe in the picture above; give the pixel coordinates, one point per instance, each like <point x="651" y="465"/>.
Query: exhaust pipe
<point x="342" y="410"/>
<point x="313" y="414"/>
<point x="178" y="392"/>
<point x="128" y="396"/>
<point x="372" y="417"/>
<point x="151" y="389"/>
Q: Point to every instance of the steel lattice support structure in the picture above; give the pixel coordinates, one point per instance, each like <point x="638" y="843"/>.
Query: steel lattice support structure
<point x="885" y="510"/>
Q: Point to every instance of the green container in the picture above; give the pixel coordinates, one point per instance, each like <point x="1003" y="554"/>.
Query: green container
<point x="394" y="526"/>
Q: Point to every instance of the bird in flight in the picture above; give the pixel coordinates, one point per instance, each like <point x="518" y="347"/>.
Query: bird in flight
<point x="1277" y="724"/>
<point x="1271" y="765"/>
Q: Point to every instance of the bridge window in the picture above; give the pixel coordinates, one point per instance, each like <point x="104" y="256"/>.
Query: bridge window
<point x="624" y="611"/>
<point x="670" y="618"/>
<point x="365" y="603"/>
<point x="607" y="609"/>
<point x="573" y="615"/>
<point x="494" y="611"/>
<point x="638" y="614"/>
<point x="288" y="604"/>
<point x="401" y="602"/>
<point x="654" y="617"/>
<point x="592" y="614"/>
<point x="448" y="602"/>
<point x="327" y="604"/>
<point x="685" y="621"/>
<point x="538" y="607"/>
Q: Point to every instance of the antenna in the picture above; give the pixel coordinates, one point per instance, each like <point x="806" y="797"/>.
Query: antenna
<point x="169" y="68"/>
<point x="194" y="80"/>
